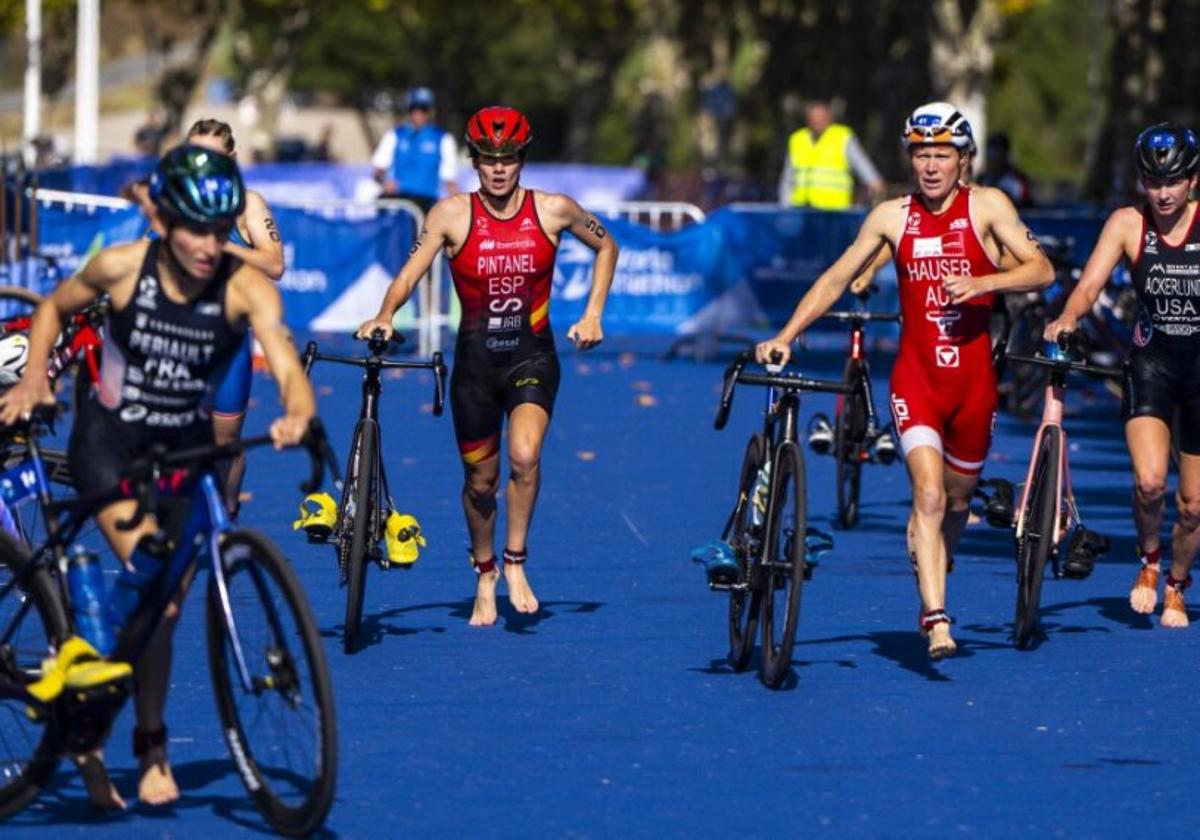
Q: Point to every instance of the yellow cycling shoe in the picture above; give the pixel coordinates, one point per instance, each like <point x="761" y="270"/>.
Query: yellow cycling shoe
<point x="77" y="666"/>
<point x="403" y="538"/>
<point x="318" y="516"/>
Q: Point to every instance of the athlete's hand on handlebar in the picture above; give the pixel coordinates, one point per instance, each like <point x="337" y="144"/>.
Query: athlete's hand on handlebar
<point x="773" y="351"/>
<point x="368" y="327"/>
<point x="586" y="332"/>
<point x="290" y="429"/>
<point x="18" y="402"/>
<point x="1062" y="324"/>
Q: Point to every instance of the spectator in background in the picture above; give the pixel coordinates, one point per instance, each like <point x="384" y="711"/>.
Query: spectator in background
<point x="1000" y="172"/>
<point x="147" y="140"/>
<point x="417" y="160"/>
<point x="823" y="159"/>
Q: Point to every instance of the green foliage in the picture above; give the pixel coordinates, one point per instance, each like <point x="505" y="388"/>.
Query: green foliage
<point x="1040" y="88"/>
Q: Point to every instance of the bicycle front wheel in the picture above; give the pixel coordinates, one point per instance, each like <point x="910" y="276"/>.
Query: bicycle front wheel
<point x="278" y="718"/>
<point x="783" y="564"/>
<point x="850" y="441"/>
<point x="746" y="539"/>
<point x="357" y="537"/>
<point x="1035" y="544"/>
<point x="33" y="622"/>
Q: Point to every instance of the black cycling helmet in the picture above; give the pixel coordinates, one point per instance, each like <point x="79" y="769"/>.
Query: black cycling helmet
<point x="196" y="184"/>
<point x="1166" y="151"/>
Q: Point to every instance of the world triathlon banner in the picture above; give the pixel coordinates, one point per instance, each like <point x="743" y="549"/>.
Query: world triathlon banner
<point x="744" y="268"/>
<point x="662" y="281"/>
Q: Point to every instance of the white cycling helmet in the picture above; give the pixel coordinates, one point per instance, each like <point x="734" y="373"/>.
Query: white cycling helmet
<point x="14" y="352"/>
<point x="940" y="123"/>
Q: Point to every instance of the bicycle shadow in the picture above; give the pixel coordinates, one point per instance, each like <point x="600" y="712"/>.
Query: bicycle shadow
<point x="721" y="667"/>
<point x="378" y="626"/>
<point x="64" y="801"/>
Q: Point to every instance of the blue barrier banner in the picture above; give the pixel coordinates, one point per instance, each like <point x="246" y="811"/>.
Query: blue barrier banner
<point x="745" y="267"/>
<point x="662" y="279"/>
<point x="71" y="233"/>
<point x="339" y="267"/>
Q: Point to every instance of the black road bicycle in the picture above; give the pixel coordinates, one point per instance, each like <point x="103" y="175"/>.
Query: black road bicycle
<point x="856" y="425"/>
<point x="768" y="525"/>
<point x="366" y="498"/>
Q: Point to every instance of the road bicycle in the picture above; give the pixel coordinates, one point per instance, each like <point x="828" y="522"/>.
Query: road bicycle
<point x="366" y="498"/>
<point x="271" y="681"/>
<point x="767" y="529"/>
<point x="1046" y="510"/>
<point x="857" y="438"/>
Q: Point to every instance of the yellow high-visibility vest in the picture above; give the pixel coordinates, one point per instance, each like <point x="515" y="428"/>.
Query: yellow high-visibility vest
<point x="820" y="171"/>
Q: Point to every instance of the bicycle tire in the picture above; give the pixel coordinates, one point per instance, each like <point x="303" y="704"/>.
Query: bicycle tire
<point x="849" y="442"/>
<point x="783" y="558"/>
<point x="21" y="779"/>
<point x="1035" y="545"/>
<point x="744" y="599"/>
<point x="17" y="301"/>
<point x="253" y="567"/>
<point x="357" y="543"/>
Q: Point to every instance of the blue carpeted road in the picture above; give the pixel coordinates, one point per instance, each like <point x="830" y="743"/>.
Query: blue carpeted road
<point x="612" y="712"/>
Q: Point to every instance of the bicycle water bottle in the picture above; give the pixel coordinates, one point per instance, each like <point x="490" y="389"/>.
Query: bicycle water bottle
<point x="758" y="496"/>
<point x="131" y="585"/>
<point x="85" y="580"/>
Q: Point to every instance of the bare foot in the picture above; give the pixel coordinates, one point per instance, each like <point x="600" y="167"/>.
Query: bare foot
<point x="157" y="786"/>
<point x="100" y="790"/>
<point x="484" y="613"/>
<point x="1144" y="595"/>
<point x="1174" y="609"/>
<point x="519" y="593"/>
<point x="940" y="643"/>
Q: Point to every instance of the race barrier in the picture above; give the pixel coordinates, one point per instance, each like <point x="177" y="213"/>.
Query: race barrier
<point x="742" y="267"/>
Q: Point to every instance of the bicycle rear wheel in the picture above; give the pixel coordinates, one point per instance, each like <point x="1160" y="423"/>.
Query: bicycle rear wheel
<point x="849" y="445"/>
<point x="356" y="534"/>
<point x="33" y="622"/>
<point x="783" y="563"/>
<point x="281" y="731"/>
<point x="1034" y="546"/>
<point x="746" y="541"/>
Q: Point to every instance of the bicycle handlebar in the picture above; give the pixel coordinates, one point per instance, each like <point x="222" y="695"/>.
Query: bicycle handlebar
<point x="376" y="345"/>
<point x="850" y="316"/>
<point x="1071" y="343"/>
<point x="143" y="480"/>
<point x="735" y="374"/>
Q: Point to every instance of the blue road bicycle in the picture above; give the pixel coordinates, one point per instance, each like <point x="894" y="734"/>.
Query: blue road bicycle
<point x="268" y="668"/>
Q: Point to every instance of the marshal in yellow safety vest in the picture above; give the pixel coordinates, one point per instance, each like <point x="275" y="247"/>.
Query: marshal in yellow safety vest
<point x="821" y="171"/>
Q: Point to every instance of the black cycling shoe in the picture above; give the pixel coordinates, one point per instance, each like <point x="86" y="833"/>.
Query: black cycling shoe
<point x="1082" y="551"/>
<point x="998" y="507"/>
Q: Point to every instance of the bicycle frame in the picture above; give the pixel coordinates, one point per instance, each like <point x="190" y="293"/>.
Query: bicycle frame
<point x="204" y="526"/>
<point x="1052" y="416"/>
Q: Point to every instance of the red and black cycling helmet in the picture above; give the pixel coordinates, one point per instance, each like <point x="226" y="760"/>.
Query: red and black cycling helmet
<point x="1167" y="151"/>
<point x="498" y="131"/>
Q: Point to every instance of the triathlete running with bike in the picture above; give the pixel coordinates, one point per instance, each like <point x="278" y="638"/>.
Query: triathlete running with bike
<point x="181" y="306"/>
<point x="947" y="239"/>
<point x="254" y="240"/>
<point x="1161" y="242"/>
<point x="501" y="242"/>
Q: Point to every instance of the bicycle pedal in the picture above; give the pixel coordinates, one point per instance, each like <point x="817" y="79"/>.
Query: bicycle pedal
<point x="809" y="568"/>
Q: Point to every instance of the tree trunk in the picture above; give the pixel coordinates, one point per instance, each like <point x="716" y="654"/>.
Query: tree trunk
<point x="961" y="56"/>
